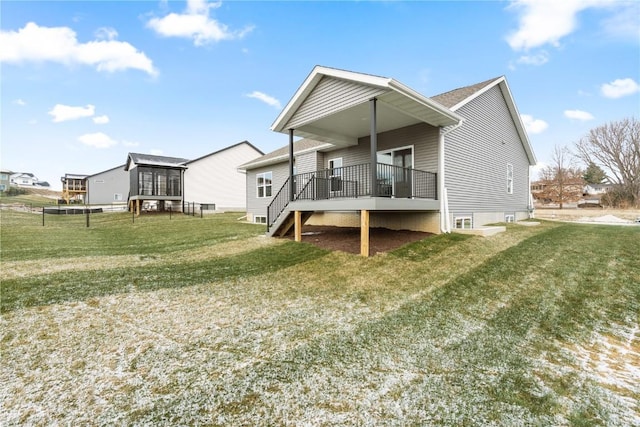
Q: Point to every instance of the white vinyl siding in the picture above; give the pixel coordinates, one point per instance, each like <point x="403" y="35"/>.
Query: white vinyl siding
<point x="215" y="179"/>
<point x="509" y="178"/>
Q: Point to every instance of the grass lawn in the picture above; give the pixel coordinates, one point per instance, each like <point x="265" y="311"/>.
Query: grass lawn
<point x="195" y="321"/>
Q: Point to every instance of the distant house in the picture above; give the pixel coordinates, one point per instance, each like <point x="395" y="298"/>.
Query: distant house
<point x="215" y="181"/>
<point x="74" y="187"/>
<point x="23" y="179"/>
<point x="109" y="187"/>
<point x="377" y="153"/>
<point x="5" y="179"/>
<point x="155" y="181"/>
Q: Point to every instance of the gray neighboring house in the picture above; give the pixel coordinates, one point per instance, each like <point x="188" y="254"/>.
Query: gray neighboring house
<point x="215" y="181"/>
<point x="377" y="153"/>
<point x="110" y="187"/>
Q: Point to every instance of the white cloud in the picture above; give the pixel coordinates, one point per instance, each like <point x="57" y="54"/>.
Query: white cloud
<point x="578" y="115"/>
<point x="532" y="125"/>
<point x="547" y="21"/>
<point x="619" y="88"/>
<point x="20" y="102"/>
<point x="269" y="100"/>
<point x="101" y="120"/>
<point x="156" y="152"/>
<point x="97" y="140"/>
<point x="624" y="22"/>
<point x="130" y="143"/>
<point x="537" y="59"/>
<point x="196" y="24"/>
<point x="63" y="113"/>
<point x="59" y="44"/>
<point x="106" y="33"/>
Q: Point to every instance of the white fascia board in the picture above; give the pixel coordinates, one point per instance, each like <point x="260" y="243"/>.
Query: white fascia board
<point x="517" y="120"/>
<point x="428" y="102"/>
<point x="478" y="93"/>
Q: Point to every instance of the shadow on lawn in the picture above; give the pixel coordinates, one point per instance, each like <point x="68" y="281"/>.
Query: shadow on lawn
<point x="78" y="286"/>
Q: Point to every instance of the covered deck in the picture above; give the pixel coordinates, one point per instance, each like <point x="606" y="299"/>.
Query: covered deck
<point x="341" y="108"/>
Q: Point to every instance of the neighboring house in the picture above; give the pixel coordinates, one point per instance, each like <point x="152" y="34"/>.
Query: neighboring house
<point x="155" y="182"/>
<point x="214" y="180"/>
<point x="377" y="153"/>
<point x="597" y="189"/>
<point x="5" y="179"/>
<point x="74" y="187"/>
<point x="110" y="187"/>
<point x="23" y="179"/>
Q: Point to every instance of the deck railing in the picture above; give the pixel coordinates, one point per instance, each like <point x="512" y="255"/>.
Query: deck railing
<point x="353" y="182"/>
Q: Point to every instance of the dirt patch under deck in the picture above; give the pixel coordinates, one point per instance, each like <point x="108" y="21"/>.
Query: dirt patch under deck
<point x="347" y="239"/>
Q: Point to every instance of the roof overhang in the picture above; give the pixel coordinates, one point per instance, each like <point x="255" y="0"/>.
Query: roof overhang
<point x="397" y="106"/>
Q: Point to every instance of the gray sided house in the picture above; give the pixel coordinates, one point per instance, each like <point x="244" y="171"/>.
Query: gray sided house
<point x="376" y="153"/>
<point x="155" y="182"/>
<point x="215" y="181"/>
<point x="110" y="187"/>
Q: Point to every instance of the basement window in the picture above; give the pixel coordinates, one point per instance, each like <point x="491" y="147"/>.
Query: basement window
<point x="462" y="222"/>
<point x="260" y="219"/>
<point x="509" y="218"/>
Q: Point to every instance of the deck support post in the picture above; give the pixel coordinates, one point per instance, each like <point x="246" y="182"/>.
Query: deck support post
<point x="137" y="207"/>
<point x="364" y="233"/>
<point x="298" y="225"/>
<point x="292" y="189"/>
<point x="374" y="148"/>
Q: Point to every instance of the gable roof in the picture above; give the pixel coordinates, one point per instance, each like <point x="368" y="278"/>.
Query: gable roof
<point x="107" y="170"/>
<point x="454" y="97"/>
<point x="228" y="148"/>
<point x="281" y="154"/>
<point x="151" y="160"/>
<point x="446" y="103"/>
<point x="398" y="100"/>
<point x="457" y="98"/>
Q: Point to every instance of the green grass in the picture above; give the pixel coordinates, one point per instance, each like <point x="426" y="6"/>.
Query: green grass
<point x="205" y="323"/>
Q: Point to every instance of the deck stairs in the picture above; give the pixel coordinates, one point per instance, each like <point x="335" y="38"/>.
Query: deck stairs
<point x="285" y="223"/>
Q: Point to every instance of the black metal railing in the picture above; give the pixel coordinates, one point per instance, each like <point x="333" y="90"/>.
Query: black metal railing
<point x="353" y="182"/>
<point x="278" y="204"/>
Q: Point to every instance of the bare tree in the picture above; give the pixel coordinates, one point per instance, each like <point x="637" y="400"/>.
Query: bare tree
<point x="562" y="180"/>
<point x="615" y="147"/>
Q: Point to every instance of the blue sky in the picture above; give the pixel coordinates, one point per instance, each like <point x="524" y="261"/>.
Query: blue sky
<point x="84" y="83"/>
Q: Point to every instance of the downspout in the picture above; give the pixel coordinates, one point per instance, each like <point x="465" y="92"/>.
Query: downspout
<point x="374" y="148"/>
<point x="445" y="221"/>
<point x="530" y="207"/>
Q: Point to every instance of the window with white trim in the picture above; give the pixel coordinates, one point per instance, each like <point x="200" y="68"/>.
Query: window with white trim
<point x="462" y="222"/>
<point x="259" y="219"/>
<point x="117" y="197"/>
<point x="509" y="218"/>
<point x="509" y="178"/>
<point x="264" y="184"/>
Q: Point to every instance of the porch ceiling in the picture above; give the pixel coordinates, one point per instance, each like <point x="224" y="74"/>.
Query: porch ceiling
<point x="394" y="111"/>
